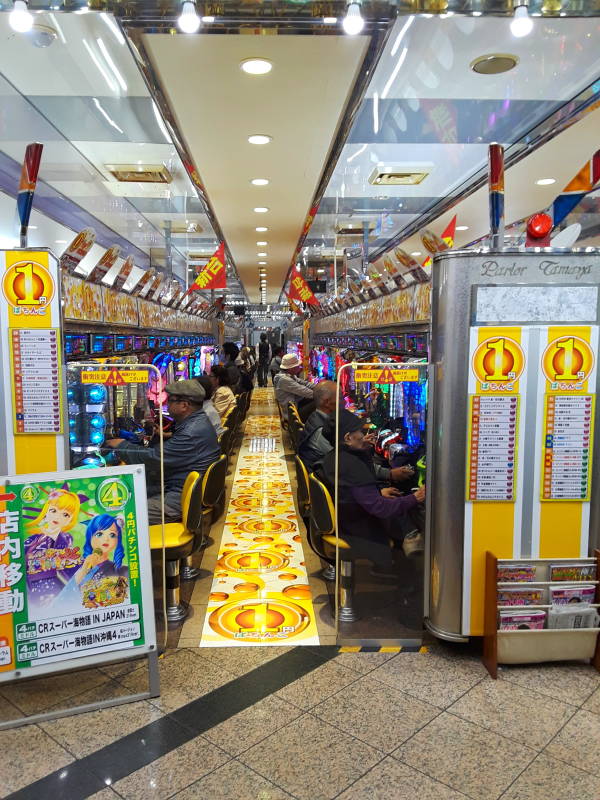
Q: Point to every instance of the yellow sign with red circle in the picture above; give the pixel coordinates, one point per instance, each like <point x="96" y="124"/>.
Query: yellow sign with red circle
<point x="498" y="363"/>
<point x="567" y="363"/>
<point x="28" y="287"/>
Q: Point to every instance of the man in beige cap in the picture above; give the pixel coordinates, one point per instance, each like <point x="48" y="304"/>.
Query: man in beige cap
<point x="289" y="388"/>
<point x="193" y="446"/>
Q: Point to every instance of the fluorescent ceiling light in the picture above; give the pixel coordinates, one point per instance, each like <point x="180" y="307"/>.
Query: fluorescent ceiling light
<point x="261" y="255"/>
<point x="208" y="19"/>
<point x="546" y="181"/>
<point x="259" y="182"/>
<point x="462" y="227"/>
<point x="189" y="21"/>
<point x="261" y="244"/>
<point x="256" y="66"/>
<point x="261" y="229"/>
<point x="400" y="36"/>
<point x="329" y="20"/>
<point x="417" y="253"/>
<point x="353" y="21"/>
<point x="112" y="65"/>
<point x="394" y="74"/>
<point x="60" y="241"/>
<point x="113" y="27"/>
<point x="259" y="138"/>
<point x="262" y="262"/>
<point x="261" y="209"/>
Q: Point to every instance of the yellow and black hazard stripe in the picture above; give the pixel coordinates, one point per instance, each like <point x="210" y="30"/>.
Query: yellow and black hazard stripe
<point x="385" y="649"/>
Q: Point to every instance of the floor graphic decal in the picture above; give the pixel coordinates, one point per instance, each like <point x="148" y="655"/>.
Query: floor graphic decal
<point x="260" y="592"/>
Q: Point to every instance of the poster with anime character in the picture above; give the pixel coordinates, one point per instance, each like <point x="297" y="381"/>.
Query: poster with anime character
<point x="70" y="566"/>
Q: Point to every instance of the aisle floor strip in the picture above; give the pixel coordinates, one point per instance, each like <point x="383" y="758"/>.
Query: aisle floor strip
<point x="260" y="594"/>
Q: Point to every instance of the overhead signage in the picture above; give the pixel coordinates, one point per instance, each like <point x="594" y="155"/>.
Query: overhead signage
<point x="77" y="250"/>
<point x="386" y="375"/>
<point x="115" y="377"/>
<point x="75" y="574"/>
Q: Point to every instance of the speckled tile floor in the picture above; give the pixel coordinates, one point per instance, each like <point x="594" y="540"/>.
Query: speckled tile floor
<point x="309" y="723"/>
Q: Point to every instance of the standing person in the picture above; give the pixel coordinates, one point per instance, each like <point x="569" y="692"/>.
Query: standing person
<point x="192" y="446"/>
<point x="275" y="364"/>
<point x="223" y="398"/>
<point x="264" y="358"/>
<point x="232" y="352"/>
<point x="289" y="388"/>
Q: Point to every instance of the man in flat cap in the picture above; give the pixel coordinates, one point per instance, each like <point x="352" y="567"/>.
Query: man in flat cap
<point x="192" y="446"/>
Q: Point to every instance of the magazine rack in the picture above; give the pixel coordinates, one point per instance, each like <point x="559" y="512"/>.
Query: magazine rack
<point x="535" y="646"/>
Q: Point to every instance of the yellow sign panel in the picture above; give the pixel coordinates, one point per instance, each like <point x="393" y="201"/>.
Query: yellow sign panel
<point x="386" y="375"/>
<point x="115" y="377"/>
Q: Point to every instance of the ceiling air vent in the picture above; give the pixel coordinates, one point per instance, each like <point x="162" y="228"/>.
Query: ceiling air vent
<point x="399" y="174"/>
<point x="352" y="228"/>
<point x="140" y="173"/>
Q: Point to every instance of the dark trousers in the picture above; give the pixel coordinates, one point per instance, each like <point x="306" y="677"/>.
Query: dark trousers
<point x="263" y="368"/>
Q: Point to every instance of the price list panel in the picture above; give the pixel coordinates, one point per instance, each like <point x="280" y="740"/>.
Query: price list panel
<point x="36" y="368"/>
<point x="567" y="447"/>
<point x="493" y="448"/>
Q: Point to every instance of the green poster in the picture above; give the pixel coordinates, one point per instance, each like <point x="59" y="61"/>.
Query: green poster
<point x="70" y="574"/>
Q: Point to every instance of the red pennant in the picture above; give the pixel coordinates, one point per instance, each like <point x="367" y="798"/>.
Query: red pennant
<point x="300" y="290"/>
<point x="213" y="274"/>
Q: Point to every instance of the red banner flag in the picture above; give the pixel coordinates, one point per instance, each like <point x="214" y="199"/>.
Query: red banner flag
<point x="292" y="305"/>
<point x="300" y="290"/>
<point x="212" y="275"/>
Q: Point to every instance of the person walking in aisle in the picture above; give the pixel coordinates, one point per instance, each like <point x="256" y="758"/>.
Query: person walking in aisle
<point x="264" y="357"/>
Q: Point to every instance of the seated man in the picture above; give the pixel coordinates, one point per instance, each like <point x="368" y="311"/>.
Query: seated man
<point x="289" y="388"/>
<point x="362" y="505"/>
<point x="192" y="445"/>
<point x="313" y="446"/>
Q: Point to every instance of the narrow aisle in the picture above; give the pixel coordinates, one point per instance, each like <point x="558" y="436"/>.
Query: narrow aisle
<point x="260" y="592"/>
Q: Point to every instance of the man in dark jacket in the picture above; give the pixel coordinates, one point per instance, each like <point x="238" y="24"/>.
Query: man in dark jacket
<point x="192" y="446"/>
<point x="232" y="352"/>
<point x="264" y="358"/>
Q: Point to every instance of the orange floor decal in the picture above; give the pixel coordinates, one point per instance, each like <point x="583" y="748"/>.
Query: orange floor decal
<point x="260" y="593"/>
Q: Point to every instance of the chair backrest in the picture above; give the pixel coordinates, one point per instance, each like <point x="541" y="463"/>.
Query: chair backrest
<point x="302" y="482"/>
<point x="213" y="482"/>
<point x="191" y="481"/>
<point x="322" y="512"/>
<point x="224" y="440"/>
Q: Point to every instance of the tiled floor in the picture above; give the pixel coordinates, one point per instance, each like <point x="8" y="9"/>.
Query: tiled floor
<point x="353" y="726"/>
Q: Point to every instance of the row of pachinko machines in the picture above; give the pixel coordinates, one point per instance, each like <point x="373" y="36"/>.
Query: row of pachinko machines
<point x="98" y="411"/>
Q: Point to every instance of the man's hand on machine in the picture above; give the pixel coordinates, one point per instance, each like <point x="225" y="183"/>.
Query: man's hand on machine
<point x="420" y="494"/>
<point x="399" y="474"/>
<point x="390" y="491"/>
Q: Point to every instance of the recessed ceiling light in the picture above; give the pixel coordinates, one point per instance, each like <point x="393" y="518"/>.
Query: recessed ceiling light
<point x="494" y="63"/>
<point x="256" y="66"/>
<point x="259" y="138"/>
<point x="261" y="230"/>
<point x="261" y="209"/>
<point x="208" y="19"/>
<point x="329" y="20"/>
<point x="262" y="262"/>
<point x="60" y="241"/>
<point x="546" y="181"/>
<point x="259" y="182"/>
<point x="261" y="244"/>
<point x="462" y="227"/>
<point x="417" y="253"/>
<point x="261" y="255"/>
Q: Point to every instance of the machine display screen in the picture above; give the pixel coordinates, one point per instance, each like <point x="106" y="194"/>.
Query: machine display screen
<point x="101" y="344"/>
<point x="173" y="341"/>
<point x="162" y="342"/>
<point x="123" y="343"/>
<point x="140" y="343"/>
<point x="152" y="340"/>
<point x="76" y="344"/>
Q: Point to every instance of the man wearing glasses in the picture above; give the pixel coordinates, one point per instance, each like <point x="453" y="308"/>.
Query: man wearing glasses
<point x="192" y="446"/>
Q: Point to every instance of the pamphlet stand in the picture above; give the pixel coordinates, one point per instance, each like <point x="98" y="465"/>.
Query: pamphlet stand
<point x="535" y="646"/>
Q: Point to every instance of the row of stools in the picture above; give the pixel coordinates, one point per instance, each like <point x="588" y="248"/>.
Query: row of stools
<point x="202" y="504"/>
<point x="317" y="510"/>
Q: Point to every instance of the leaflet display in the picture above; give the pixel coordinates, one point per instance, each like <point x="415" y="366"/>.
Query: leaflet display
<point x="567" y="447"/>
<point x="493" y="445"/>
<point x="36" y="380"/>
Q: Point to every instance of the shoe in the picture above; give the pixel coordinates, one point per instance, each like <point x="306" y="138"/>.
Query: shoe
<point x="413" y="544"/>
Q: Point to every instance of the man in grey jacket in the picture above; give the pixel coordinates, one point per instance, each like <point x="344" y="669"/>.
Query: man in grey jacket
<point x="289" y="388"/>
<point x="192" y="446"/>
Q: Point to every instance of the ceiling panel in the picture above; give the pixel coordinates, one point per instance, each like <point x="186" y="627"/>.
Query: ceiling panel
<point x="217" y="107"/>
